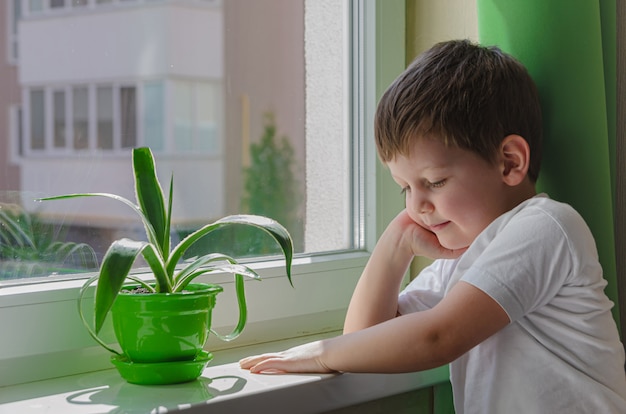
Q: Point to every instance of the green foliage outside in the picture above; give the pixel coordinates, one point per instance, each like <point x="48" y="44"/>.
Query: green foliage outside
<point x="31" y="248"/>
<point x="271" y="187"/>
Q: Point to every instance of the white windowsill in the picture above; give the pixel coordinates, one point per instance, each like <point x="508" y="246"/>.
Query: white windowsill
<point x="222" y="388"/>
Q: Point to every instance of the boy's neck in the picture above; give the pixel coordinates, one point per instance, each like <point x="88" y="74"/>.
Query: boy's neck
<point x="521" y="193"/>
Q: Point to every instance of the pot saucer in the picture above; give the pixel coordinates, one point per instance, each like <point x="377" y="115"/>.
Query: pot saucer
<point x="159" y="373"/>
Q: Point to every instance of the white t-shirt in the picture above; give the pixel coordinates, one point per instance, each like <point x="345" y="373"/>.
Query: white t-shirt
<point x="561" y="352"/>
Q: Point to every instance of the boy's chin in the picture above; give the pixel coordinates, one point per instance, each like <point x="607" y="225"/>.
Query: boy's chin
<point x="453" y="246"/>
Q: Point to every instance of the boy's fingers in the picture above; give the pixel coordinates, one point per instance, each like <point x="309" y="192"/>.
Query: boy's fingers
<point x="248" y="362"/>
<point x="267" y="363"/>
<point x="268" y="366"/>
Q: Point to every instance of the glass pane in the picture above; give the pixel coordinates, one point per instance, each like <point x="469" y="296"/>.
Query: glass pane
<point x="206" y="118"/>
<point x="17" y="13"/>
<point x="35" y="5"/>
<point x="80" y="115"/>
<point x="128" y="115"/>
<point x="37" y="120"/>
<point x="59" y="119"/>
<point x="249" y="118"/>
<point x="104" y="105"/>
<point x="183" y="121"/>
<point x="153" y="115"/>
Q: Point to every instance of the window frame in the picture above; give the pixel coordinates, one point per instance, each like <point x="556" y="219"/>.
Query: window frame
<point x="42" y="333"/>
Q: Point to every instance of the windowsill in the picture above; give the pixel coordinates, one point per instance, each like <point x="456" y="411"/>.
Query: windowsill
<point x="222" y="388"/>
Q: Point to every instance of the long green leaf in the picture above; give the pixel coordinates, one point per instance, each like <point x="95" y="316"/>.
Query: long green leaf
<point x="168" y="221"/>
<point x="150" y="233"/>
<point x="155" y="261"/>
<point x="205" y="265"/>
<point x="243" y="311"/>
<point x="204" y="260"/>
<point x="115" y="267"/>
<point x="150" y="196"/>
<point x="273" y="228"/>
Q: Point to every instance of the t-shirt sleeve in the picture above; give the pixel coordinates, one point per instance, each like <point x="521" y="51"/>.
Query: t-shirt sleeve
<point x="525" y="264"/>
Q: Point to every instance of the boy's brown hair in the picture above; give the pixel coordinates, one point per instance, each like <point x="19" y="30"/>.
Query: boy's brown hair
<point x="464" y="95"/>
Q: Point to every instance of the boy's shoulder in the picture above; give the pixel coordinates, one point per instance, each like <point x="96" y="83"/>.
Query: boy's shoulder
<point x="546" y="221"/>
<point x="543" y="205"/>
<point x="559" y="211"/>
<point x="538" y="220"/>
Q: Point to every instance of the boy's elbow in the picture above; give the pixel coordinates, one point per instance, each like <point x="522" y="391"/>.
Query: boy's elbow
<point x="441" y="348"/>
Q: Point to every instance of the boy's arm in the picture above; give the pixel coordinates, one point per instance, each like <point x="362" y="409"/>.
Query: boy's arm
<point x="374" y="339"/>
<point x="412" y="342"/>
<point x="375" y="298"/>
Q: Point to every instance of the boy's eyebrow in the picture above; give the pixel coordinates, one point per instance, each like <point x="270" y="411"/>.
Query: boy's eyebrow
<point x="433" y="168"/>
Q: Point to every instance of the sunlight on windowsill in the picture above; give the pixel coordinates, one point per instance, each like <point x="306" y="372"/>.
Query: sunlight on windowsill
<point x="222" y="388"/>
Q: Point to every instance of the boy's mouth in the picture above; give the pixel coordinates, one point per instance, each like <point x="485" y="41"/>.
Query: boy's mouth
<point x="438" y="227"/>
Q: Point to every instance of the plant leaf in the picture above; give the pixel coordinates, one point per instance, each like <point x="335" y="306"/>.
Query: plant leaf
<point x="115" y="267"/>
<point x="150" y="196"/>
<point x="192" y="266"/>
<point x="168" y="220"/>
<point x="243" y="311"/>
<point x="230" y="265"/>
<point x="146" y="222"/>
<point x="272" y="227"/>
<point x="142" y="283"/>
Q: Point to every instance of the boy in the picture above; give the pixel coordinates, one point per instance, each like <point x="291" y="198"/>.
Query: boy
<point x="515" y="300"/>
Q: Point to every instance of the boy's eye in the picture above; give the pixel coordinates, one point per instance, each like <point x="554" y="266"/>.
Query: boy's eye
<point x="405" y="190"/>
<point x="436" y="184"/>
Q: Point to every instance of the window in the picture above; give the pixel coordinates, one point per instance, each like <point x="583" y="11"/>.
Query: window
<point x="211" y="88"/>
<point x="37" y="118"/>
<point x="304" y="79"/>
<point x="14" y="12"/>
<point x="104" y="111"/>
<point x="80" y="117"/>
<point x="128" y="115"/>
<point x="59" y="119"/>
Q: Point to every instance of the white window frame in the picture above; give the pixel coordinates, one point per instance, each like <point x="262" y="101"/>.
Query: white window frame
<point x="42" y="336"/>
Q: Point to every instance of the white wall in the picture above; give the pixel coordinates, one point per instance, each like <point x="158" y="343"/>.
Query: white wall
<point x="122" y="43"/>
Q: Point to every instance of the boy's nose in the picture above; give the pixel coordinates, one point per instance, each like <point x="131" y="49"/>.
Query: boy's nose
<point x="421" y="205"/>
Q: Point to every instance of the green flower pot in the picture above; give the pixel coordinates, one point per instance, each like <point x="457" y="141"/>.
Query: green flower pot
<point x="162" y="335"/>
<point x="164" y="327"/>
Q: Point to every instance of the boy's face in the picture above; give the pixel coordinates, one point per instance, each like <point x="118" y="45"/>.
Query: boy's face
<point x="452" y="192"/>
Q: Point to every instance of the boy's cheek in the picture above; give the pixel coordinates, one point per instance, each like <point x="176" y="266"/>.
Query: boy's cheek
<point x="415" y="218"/>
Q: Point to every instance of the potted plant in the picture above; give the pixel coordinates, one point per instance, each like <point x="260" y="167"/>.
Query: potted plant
<point x="162" y="326"/>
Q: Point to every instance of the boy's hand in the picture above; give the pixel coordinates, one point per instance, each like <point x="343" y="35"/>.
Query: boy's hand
<point x="421" y="241"/>
<point x="303" y="358"/>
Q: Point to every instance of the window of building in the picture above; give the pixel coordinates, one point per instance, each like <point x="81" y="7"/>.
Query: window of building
<point x="80" y="117"/>
<point x="58" y="108"/>
<point x="104" y="111"/>
<point x="204" y="91"/>
<point x="14" y="12"/>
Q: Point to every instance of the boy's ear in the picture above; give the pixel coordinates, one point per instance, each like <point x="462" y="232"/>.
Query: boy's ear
<point x="515" y="159"/>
